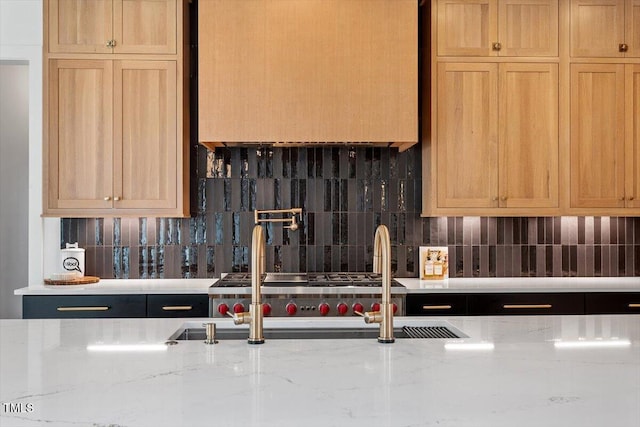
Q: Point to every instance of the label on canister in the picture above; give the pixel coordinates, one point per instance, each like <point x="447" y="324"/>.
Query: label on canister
<point x="72" y="259"/>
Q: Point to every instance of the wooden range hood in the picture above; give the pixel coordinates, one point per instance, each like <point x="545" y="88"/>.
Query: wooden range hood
<point x="299" y="72"/>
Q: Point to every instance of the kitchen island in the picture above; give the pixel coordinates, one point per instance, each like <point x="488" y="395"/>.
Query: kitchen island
<point x="505" y="371"/>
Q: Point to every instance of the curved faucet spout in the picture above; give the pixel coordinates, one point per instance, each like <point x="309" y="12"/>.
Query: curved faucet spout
<point x="254" y="316"/>
<point x="257" y="263"/>
<point x="382" y="265"/>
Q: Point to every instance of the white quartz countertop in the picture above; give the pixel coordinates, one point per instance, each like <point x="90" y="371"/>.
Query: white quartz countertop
<point x="511" y="371"/>
<point x="124" y="286"/>
<point x="524" y="284"/>
<point x="412" y="285"/>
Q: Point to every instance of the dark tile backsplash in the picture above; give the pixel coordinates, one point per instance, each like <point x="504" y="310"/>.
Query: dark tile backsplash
<point x="344" y="193"/>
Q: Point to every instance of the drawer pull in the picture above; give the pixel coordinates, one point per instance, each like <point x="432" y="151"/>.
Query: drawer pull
<point x="436" y="307"/>
<point x="526" y="306"/>
<point x="83" y="308"/>
<point x="634" y="305"/>
<point x="177" y="307"/>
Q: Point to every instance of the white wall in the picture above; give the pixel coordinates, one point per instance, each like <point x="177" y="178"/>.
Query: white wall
<point x="21" y="39"/>
<point x="14" y="183"/>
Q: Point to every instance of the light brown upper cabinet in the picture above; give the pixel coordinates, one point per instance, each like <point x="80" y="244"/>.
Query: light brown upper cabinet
<point x="80" y="144"/>
<point x="112" y="137"/>
<point x="497" y="28"/>
<point x="632" y="132"/>
<point x="112" y="26"/>
<point x="605" y="135"/>
<point x="308" y="71"/>
<point x="116" y="132"/>
<point x="496" y="138"/>
<point x="605" y="28"/>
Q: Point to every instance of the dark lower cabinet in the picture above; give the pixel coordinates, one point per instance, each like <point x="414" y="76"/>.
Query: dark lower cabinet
<point x="83" y="306"/>
<point x="103" y="306"/>
<point x="178" y="305"/>
<point x="436" y="305"/>
<point x="526" y="303"/>
<point x="612" y="303"/>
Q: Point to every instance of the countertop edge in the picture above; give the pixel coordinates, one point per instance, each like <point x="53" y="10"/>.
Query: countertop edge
<point x="412" y="285"/>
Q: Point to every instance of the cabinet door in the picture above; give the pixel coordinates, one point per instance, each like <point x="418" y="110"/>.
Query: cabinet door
<point x="442" y="304"/>
<point x="632" y="39"/>
<point x="176" y="305"/>
<point x="467" y="27"/>
<point x="80" y="135"/>
<point x="597" y="135"/>
<point x="612" y="303"/>
<point x="526" y="303"/>
<point x="597" y="28"/>
<point x="82" y="306"/>
<point x="632" y="111"/>
<point x="528" y="27"/>
<point x="79" y="26"/>
<point x="145" y="26"/>
<point x="467" y="133"/>
<point x="528" y="135"/>
<point x="146" y="149"/>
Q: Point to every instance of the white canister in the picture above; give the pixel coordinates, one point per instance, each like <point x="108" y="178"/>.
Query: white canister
<point x="72" y="259"/>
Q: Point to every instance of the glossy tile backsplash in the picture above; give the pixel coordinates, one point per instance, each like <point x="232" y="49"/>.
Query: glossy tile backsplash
<point x="344" y="193"/>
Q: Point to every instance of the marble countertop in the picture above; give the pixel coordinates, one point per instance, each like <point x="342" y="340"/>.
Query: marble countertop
<point x="510" y="371"/>
<point x="412" y="285"/>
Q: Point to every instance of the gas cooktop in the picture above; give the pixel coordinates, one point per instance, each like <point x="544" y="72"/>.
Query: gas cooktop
<point x="364" y="279"/>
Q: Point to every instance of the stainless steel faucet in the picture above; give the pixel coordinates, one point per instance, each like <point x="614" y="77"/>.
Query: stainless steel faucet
<point x="382" y="264"/>
<point x="254" y="316"/>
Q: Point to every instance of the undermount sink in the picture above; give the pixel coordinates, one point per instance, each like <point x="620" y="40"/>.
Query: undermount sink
<point x="439" y="330"/>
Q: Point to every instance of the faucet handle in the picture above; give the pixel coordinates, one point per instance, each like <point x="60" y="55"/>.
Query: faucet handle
<point x="369" y="316"/>
<point x="236" y="319"/>
<point x="372" y="317"/>
<point x="241" y="318"/>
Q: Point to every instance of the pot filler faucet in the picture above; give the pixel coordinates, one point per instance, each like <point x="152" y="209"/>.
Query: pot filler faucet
<point x="382" y="265"/>
<point x="254" y="316"/>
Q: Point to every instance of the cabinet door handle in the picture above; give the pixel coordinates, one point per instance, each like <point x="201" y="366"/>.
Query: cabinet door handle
<point x="634" y="305"/>
<point x="497" y="46"/>
<point x="436" y="307"/>
<point x="177" y="307"/>
<point x="102" y="308"/>
<point x="623" y="47"/>
<point x="107" y="198"/>
<point x="517" y="306"/>
<point x="117" y="198"/>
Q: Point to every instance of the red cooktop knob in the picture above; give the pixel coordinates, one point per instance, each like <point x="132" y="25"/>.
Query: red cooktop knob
<point x="395" y="308"/>
<point x="342" y="309"/>
<point x="291" y="308"/>
<point x="238" y="308"/>
<point x="324" y="308"/>
<point x="375" y="306"/>
<point x="223" y="309"/>
<point x="266" y="309"/>
<point x="358" y="307"/>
